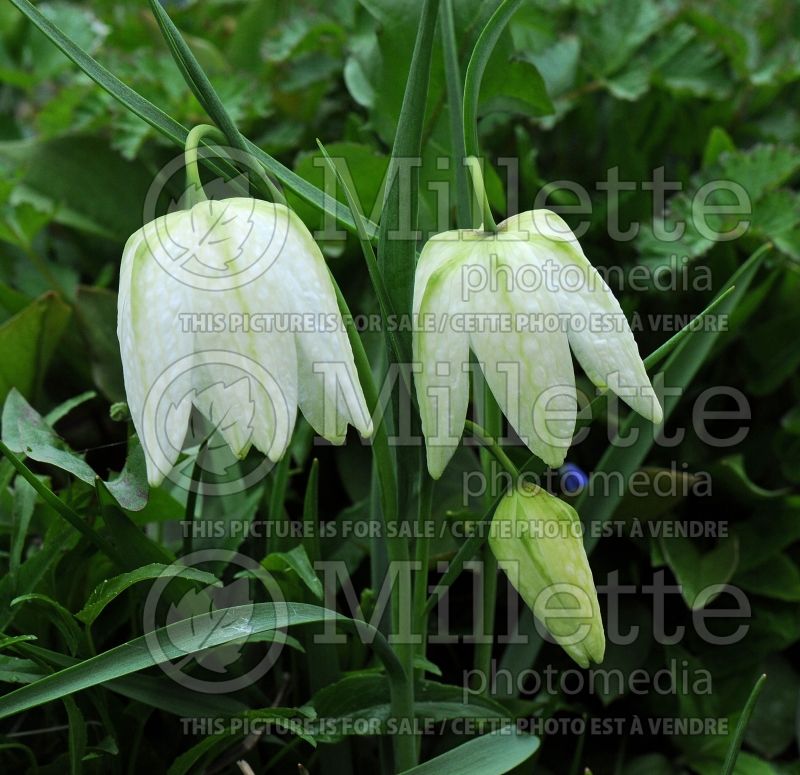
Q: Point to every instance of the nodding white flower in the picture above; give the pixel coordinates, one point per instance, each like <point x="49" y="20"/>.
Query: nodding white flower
<point x="519" y="299"/>
<point x="537" y="540"/>
<point x="228" y="307"/>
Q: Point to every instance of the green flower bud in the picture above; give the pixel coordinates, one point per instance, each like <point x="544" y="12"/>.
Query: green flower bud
<point x="537" y="540"/>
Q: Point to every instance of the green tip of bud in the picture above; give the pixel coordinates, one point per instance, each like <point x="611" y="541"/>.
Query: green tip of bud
<point x="538" y="541"/>
<point x="119" y="412"/>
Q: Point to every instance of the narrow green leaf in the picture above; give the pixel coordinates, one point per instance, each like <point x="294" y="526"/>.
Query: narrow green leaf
<point x="133" y="547"/>
<point x="77" y="736"/>
<point x="492" y="754"/>
<point x="665" y="349"/>
<point x="311" y="514"/>
<point x="736" y="744"/>
<point x="455" y="99"/>
<point x="397" y="238"/>
<point x="151" y="690"/>
<point x="57" y="614"/>
<point x="477" y="65"/>
<point x="465" y="553"/>
<point x="111" y="588"/>
<point x="63" y="409"/>
<point x="375" y="275"/>
<point x="21" y="513"/>
<point x="185" y="637"/>
<point x="198" y="81"/>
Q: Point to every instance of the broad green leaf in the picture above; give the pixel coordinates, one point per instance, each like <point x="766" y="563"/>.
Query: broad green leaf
<point x="778" y="578"/>
<point x="615" y="30"/>
<point x="130" y="487"/>
<point x="696" y="571"/>
<point x="82" y="182"/>
<point x="26" y="433"/>
<point x="28" y="341"/>
<point x="762" y="545"/>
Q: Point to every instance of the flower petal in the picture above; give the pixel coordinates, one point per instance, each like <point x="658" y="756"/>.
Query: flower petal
<point x="528" y="369"/>
<point x="150" y="341"/>
<point x="440" y="351"/>
<point x="610" y="359"/>
<point x="330" y="394"/>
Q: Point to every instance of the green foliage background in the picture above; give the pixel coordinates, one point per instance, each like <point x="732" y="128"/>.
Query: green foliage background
<point x="706" y="90"/>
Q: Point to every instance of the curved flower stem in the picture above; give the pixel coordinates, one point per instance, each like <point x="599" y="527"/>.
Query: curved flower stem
<point x="486" y="441"/>
<point x="194" y="184"/>
<point x="476" y="174"/>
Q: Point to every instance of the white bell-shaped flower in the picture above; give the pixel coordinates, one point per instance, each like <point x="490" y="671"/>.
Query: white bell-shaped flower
<point x="519" y="298"/>
<point x="228" y="307"/>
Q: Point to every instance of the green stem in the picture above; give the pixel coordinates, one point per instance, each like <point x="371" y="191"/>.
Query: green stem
<point x="493" y="422"/>
<point x="422" y="556"/>
<point x="489" y="444"/>
<point x="194" y="185"/>
<point x="405" y="744"/>
<point x="455" y="98"/>
<point x="484" y="210"/>
<point x="52" y="500"/>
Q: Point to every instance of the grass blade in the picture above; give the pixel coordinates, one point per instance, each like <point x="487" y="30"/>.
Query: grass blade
<point x="398" y="256"/>
<point x="736" y="744"/>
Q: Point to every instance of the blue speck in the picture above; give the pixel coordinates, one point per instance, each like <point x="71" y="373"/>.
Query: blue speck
<point x="573" y="478"/>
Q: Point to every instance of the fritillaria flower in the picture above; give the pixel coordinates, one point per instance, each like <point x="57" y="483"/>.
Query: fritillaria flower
<point x="519" y="299"/>
<point x="228" y="308"/>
